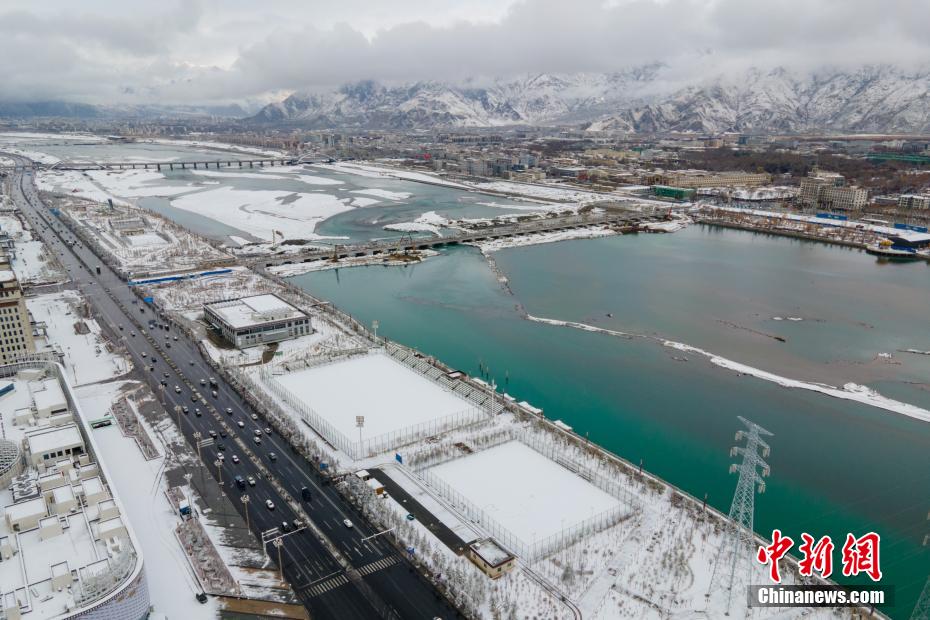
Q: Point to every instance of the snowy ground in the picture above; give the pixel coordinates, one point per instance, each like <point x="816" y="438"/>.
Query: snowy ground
<point x="524" y="491"/>
<point x="32" y="262"/>
<point x="352" y="261"/>
<point x="550" y="192"/>
<point x="380" y="171"/>
<point x="87" y="356"/>
<point x="589" y="232"/>
<point x="293" y="215"/>
<point x="390" y="395"/>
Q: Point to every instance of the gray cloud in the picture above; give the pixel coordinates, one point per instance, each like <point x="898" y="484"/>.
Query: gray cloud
<point x="101" y="51"/>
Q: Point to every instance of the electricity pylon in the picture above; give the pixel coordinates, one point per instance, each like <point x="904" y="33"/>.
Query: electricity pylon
<point x="738" y="535"/>
<point x="922" y="608"/>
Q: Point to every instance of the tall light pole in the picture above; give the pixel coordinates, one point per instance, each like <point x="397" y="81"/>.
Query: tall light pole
<point x="177" y="410"/>
<point x="277" y="542"/>
<point x="219" y="470"/>
<point x="360" y="423"/>
<point x="245" y="502"/>
<point x="197" y="437"/>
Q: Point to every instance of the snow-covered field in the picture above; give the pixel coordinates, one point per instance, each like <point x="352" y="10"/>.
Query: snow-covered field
<point x="87" y="359"/>
<point x="528" y="494"/>
<point x="549" y="192"/>
<point x="294" y="215"/>
<point x="391" y="396"/>
<point x="376" y="171"/>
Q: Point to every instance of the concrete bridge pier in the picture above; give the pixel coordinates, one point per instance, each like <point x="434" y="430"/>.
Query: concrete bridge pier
<point x="250" y="164"/>
<point x="158" y="166"/>
<point x="240" y="163"/>
<point x="183" y="166"/>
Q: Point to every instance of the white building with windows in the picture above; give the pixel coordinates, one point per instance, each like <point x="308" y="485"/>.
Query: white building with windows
<point x="67" y="548"/>
<point x="256" y="320"/>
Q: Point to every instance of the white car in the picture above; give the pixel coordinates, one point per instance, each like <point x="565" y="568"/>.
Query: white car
<point x="235" y="459"/>
<point x="254" y="416"/>
<point x="257" y="440"/>
<point x="241" y="424"/>
<point x="347" y="523"/>
<point x="269" y="504"/>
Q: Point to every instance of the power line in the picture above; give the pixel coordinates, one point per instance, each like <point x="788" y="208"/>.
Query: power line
<point x="738" y="536"/>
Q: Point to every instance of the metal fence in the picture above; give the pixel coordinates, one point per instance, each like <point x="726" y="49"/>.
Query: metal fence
<point x="369" y="446"/>
<point x="533" y="550"/>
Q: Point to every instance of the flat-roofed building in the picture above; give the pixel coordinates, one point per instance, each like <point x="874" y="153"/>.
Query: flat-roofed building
<point x="914" y="201"/>
<point x="256" y="320"/>
<point x="491" y="558"/>
<point x="49" y="444"/>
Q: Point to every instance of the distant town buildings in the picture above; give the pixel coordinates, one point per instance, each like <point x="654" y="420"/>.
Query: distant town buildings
<point x="914" y="201"/>
<point x="828" y="190"/>
<point x="694" y="179"/>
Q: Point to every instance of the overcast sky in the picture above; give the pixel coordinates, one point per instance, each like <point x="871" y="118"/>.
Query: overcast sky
<point x="216" y="51"/>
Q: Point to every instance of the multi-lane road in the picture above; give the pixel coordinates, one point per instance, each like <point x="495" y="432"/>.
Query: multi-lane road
<point x="332" y="569"/>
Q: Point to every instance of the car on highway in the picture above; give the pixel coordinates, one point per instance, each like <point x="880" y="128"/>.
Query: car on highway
<point x="203" y="382"/>
<point x="221" y="446"/>
<point x="213" y="433"/>
<point x="185" y="409"/>
<point x="267" y="430"/>
<point x="254" y="416"/>
<point x="152" y="368"/>
<point x="175" y="338"/>
<point x="229" y="410"/>
<point x="269" y="504"/>
<point x="192" y="362"/>
<point x="166" y="375"/>
<point x="164" y="383"/>
<point x="221" y="456"/>
<point x="257" y="440"/>
<point x="285" y="526"/>
<point x="305" y="494"/>
<point x="347" y="523"/>
<point x="214" y="394"/>
<point x="177" y="389"/>
<point x="235" y="459"/>
<point x="257" y="432"/>
<point x="241" y="424"/>
<point x="197" y="412"/>
<point x="272" y="457"/>
<point x="251" y="481"/>
<point x="143" y="354"/>
<point x="194" y="397"/>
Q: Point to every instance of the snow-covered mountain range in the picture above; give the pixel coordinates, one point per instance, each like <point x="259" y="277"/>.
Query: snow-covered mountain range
<point x="871" y="99"/>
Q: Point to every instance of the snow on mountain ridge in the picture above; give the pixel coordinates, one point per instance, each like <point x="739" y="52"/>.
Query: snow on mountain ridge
<point x="870" y="98"/>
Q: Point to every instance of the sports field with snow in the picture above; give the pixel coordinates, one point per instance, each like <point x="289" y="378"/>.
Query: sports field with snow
<point x="526" y="493"/>
<point x="390" y="395"/>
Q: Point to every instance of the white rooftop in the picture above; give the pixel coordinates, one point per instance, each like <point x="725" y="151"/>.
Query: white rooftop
<point x="255" y="310"/>
<point x="53" y="439"/>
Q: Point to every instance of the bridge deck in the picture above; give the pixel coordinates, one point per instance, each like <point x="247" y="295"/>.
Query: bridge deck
<point x="392" y="246"/>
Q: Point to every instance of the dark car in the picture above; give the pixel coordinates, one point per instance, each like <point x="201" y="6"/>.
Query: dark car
<point x="305" y="494"/>
<point x="272" y="456"/>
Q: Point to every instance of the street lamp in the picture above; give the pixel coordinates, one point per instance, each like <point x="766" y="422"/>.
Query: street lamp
<point x="219" y="471"/>
<point x="177" y="410"/>
<point x="277" y="542"/>
<point x="197" y="437"/>
<point x="245" y="502"/>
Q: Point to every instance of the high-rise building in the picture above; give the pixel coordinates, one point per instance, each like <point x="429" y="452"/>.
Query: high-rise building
<point x="15" y="330"/>
<point x="828" y="190"/>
